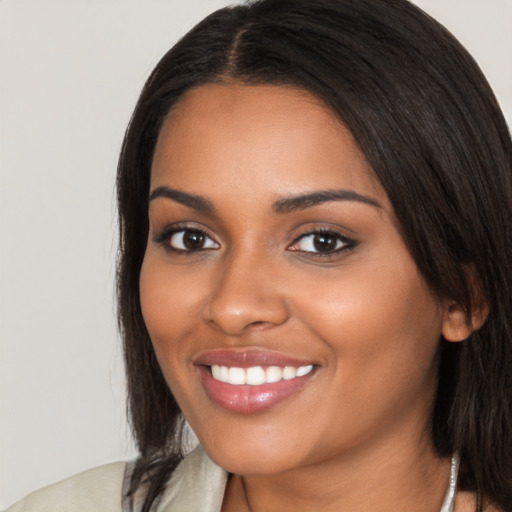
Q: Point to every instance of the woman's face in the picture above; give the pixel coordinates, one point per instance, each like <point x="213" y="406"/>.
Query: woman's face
<point x="274" y="261"/>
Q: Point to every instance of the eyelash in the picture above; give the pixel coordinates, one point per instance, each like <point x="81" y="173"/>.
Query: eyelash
<point x="347" y="243"/>
<point x="164" y="238"/>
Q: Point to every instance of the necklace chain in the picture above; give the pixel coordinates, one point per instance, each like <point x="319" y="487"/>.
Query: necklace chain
<point x="449" y="500"/>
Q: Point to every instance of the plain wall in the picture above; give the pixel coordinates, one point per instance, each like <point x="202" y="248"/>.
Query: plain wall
<point x="70" y="73"/>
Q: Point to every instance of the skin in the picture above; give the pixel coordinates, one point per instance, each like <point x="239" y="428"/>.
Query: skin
<point x="355" y="437"/>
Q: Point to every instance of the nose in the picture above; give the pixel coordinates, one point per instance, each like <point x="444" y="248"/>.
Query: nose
<point x="245" y="296"/>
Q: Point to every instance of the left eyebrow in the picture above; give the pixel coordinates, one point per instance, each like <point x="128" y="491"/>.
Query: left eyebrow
<point x="304" y="201"/>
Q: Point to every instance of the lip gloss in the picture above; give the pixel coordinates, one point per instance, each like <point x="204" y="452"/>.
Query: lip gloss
<point x="250" y="398"/>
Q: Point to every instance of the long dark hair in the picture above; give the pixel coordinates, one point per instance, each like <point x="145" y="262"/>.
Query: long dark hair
<point x="428" y="123"/>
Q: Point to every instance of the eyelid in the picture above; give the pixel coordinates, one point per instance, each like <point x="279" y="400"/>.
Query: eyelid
<point x="164" y="236"/>
<point x="348" y="243"/>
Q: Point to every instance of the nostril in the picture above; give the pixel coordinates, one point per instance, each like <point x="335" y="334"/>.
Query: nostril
<point x="234" y="310"/>
<point x="257" y="323"/>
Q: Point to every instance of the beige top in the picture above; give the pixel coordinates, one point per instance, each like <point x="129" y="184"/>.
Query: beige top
<point x="90" y="491"/>
<point x="197" y="485"/>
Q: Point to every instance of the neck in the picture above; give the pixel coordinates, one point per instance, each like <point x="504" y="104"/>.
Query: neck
<point x="412" y="478"/>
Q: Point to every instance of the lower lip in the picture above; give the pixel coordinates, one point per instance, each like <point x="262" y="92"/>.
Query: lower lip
<point x="247" y="399"/>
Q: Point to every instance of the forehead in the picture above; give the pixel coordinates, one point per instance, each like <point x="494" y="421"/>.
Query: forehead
<point x="279" y="136"/>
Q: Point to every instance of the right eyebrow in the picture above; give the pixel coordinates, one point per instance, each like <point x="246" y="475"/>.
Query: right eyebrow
<point x="196" y="202"/>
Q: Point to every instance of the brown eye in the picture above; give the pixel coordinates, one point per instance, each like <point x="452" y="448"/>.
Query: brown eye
<point x="322" y="243"/>
<point x="325" y="242"/>
<point x="191" y="240"/>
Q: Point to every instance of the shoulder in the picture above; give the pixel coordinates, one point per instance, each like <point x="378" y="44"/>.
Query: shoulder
<point x="93" y="490"/>
<point x="196" y="484"/>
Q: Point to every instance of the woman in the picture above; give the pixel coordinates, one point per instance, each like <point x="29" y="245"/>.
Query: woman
<point x="315" y="200"/>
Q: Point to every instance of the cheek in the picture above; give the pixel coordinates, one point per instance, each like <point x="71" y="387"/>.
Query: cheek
<point x="170" y="304"/>
<point x="380" y="318"/>
<point x="168" y="298"/>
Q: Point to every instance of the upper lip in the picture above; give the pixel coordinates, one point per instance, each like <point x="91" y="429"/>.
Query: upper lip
<point x="245" y="358"/>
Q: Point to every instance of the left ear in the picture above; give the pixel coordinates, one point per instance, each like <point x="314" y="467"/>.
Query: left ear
<point x="458" y="323"/>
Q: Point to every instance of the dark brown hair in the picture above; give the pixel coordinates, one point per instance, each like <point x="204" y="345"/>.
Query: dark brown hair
<point x="428" y="123"/>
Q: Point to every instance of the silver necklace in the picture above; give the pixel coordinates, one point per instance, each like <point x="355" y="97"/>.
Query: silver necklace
<point x="449" y="499"/>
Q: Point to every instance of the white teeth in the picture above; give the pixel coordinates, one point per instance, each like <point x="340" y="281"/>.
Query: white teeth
<point x="304" y="370"/>
<point x="274" y="374"/>
<point x="224" y="373"/>
<point x="289" y="372"/>
<point x="256" y="375"/>
<point x="220" y="373"/>
<point x="216" y="369"/>
<point x="236" y="376"/>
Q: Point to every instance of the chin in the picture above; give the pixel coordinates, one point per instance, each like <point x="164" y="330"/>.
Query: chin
<point x="254" y="454"/>
<point x="254" y="464"/>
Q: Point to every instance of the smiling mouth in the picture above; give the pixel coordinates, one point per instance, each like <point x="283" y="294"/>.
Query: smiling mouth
<point x="251" y="380"/>
<point x="257" y="375"/>
<point x="253" y="389"/>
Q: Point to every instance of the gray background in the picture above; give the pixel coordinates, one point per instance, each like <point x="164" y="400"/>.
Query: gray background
<point x="70" y="73"/>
